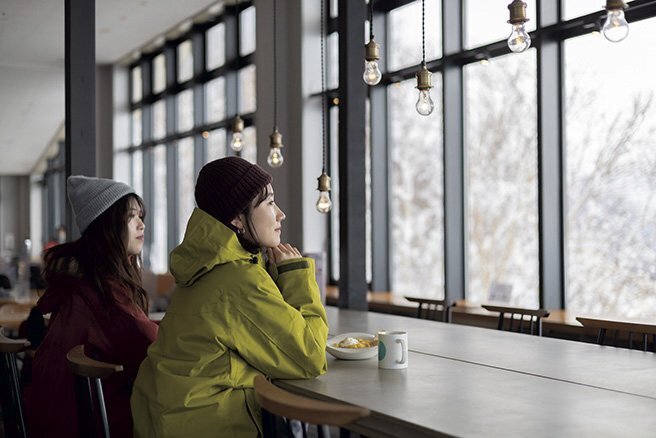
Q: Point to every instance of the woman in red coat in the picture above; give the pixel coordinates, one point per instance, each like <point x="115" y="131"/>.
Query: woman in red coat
<point x="95" y="298"/>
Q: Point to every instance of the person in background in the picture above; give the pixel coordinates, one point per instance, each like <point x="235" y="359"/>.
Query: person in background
<point x="229" y="318"/>
<point x="58" y="237"/>
<point x="95" y="298"/>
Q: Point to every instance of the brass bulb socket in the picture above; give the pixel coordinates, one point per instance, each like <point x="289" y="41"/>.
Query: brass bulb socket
<point x="517" y="12"/>
<point x="612" y="5"/>
<point x="276" y="139"/>
<point x="371" y="51"/>
<point x="237" y="124"/>
<point x="324" y="183"/>
<point x="424" y="79"/>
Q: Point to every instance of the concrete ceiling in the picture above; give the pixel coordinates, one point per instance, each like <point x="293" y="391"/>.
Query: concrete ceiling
<point x="32" y="63"/>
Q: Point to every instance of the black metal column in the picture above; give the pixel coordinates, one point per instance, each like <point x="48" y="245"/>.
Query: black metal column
<point x="550" y="163"/>
<point x="454" y="159"/>
<point x="380" y="235"/>
<point x="80" y="52"/>
<point x="353" y="94"/>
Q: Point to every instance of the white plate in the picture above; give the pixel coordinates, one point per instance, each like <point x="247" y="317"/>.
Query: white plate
<point x="351" y="353"/>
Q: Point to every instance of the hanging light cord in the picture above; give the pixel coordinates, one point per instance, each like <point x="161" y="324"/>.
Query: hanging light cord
<point x="237" y="58"/>
<point x="423" y="34"/>
<point x="323" y="93"/>
<point x="371" y="19"/>
<point x="275" y="69"/>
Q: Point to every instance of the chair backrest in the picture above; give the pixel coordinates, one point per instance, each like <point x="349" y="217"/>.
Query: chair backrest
<point x="427" y="308"/>
<point x="624" y="332"/>
<point x="275" y="401"/>
<point x="87" y="373"/>
<point x="10" y="393"/>
<point x="533" y="318"/>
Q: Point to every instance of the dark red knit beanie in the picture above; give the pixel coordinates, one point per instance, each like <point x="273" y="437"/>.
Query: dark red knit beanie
<point x="226" y="186"/>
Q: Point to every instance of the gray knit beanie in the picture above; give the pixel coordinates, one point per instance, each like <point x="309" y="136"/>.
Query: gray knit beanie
<point x="90" y="197"/>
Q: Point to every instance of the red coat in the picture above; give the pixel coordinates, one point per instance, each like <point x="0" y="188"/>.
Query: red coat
<point x="118" y="334"/>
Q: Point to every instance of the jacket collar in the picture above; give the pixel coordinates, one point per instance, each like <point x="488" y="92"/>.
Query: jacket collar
<point x="206" y="244"/>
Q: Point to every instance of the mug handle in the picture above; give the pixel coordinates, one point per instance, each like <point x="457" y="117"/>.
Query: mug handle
<point x="403" y="347"/>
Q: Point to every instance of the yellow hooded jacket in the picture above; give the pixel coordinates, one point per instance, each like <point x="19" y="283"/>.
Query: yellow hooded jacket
<point x="228" y="320"/>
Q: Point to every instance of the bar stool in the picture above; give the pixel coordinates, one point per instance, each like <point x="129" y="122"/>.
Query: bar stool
<point x="439" y="309"/>
<point x="10" y="393"/>
<point x="278" y="402"/>
<point x="534" y="318"/>
<point x="91" y="412"/>
<point x="641" y="330"/>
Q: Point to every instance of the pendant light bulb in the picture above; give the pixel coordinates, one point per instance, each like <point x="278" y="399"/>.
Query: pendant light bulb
<point x="237" y="142"/>
<point x="372" y="74"/>
<point x="519" y="40"/>
<point x="275" y="158"/>
<point x="324" y="204"/>
<point x="615" y="28"/>
<point x="424" y="104"/>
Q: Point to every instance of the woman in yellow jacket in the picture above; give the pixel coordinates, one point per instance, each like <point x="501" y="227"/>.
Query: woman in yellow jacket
<point x="229" y="318"/>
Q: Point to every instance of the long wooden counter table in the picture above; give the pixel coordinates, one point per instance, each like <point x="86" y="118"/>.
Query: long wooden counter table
<point x="467" y="381"/>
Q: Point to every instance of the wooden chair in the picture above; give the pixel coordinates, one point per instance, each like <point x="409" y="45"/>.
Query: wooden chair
<point x="534" y="318"/>
<point x="10" y="392"/>
<point x="276" y="401"/>
<point x="439" y="310"/>
<point x="621" y="328"/>
<point x="91" y="411"/>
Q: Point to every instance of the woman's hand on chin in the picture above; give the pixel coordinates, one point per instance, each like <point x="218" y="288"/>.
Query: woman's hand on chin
<point x="282" y="252"/>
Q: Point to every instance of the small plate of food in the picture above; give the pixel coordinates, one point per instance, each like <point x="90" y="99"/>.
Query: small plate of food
<point x="353" y="346"/>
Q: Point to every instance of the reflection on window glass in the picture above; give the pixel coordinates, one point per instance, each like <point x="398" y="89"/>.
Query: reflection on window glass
<point x="611" y="166"/>
<point x="416" y="192"/>
<point x="247" y="34"/>
<point x="159" y="254"/>
<point x="486" y="21"/>
<point x="185" y="107"/>
<point x="332" y="67"/>
<point x="334" y="8"/>
<point x="215" y="100"/>
<point x="334" y="190"/>
<point x="185" y="61"/>
<point x="367" y="191"/>
<point x="247" y="89"/>
<point x="136" y="127"/>
<point x="501" y="177"/>
<point x="122" y="167"/>
<point x="185" y="183"/>
<point x="405" y="34"/>
<point x="216" y="145"/>
<point x="159" y="119"/>
<point x="249" y="152"/>
<point x="215" y="46"/>
<point x="159" y="73"/>
<point x="137" y="172"/>
<point x="136" y="84"/>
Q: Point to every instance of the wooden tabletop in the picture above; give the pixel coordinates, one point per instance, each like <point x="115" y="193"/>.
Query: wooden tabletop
<point x="468" y="381"/>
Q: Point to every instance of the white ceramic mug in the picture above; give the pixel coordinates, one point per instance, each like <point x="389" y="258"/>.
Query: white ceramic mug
<point x="392" y="350"/>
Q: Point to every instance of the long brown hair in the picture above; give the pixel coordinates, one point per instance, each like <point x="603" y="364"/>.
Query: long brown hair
<point x="101" y="253"/>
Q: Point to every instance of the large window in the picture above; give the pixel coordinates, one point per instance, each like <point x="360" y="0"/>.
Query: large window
<point x="611" y="169"/>
<point x="180" y="118"/>
<point x="416" y="193"/>
<point x="501" y="178"/>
